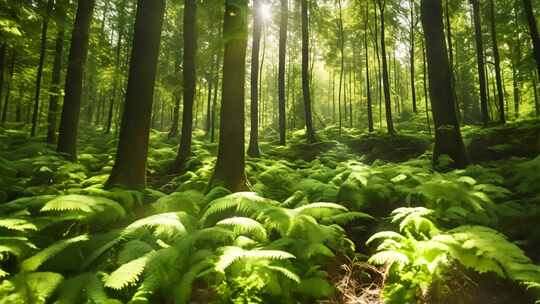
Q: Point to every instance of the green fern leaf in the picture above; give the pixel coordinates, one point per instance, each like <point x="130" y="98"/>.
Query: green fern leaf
<point x="35" y="288"/>
<point x="241" y="202"/>
<point x="389" y="257"/>
<point x="18" y="224"/>
<point x="128" y="273"/>
<point x="33" y="262"/>
<point x="242" y="225"/>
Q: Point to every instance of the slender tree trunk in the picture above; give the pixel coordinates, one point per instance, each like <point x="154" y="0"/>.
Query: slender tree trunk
<point x="497" y="58"/>
<point x="283" y="29"/>
<point x="214" y="98"/>
<point x="9" y="84"/>
<point x="448" y="138"/>
<point x="55" y="89"/>
<point x="190" y="83"/>
<point x="173" y="132"/>
<point x="516" y="90"/>
<point x="342" y="63"/>
<point x="368" y="83"/>
<point x="533" y="30"/>
<point x="480" y="61"/>
<point x="386" y="82"/>
<point x="129" y="169"/>
<point x="42" y="53"/>
<point x="253" y="149"/>
<point x="69" y="123"/>
<point x="451" y="57"/>
<point x="230" y="166"/>
<point x="413" y="86"/>
<point x="535" y="90"/>
<point x="3" y="51"/>
<point x="310" y="131"/>
<point x="425" y="86"/>
<point x="209" y="104"/>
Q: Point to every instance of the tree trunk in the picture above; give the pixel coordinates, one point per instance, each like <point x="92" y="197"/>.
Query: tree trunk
<point x="497" y="58"/>
<point x="173" y="132"/>
<point x="451" y="57"/>
<point x="386" y="82"/>
<point x="535" y="91"/>
<point x="368" y="83"/>
<point x="341" y="46"/>
<point x="480" y="61"/>
<point x="253" y="149"/>
<point x="230" y="166"/>
<point x="215" y="97"/>
<point x="129" y="169"/>
<point x="425" y="86"/>
<point x="55" y="90"/>
<point x="283" y="29"/>
<point x="190" y="83"/>
<point x="9" y="84"/>
<point x="448" y="138"/>
<point x="69" y="123"/>
<point x="3" y="51"/>
<point x="533" y="30"/>
<point x="310" y="131"/>
<point x="42" y="53"/>
<point x="413" y="86"/>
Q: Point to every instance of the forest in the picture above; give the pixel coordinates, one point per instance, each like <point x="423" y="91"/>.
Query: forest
<point x="269" y="151"/>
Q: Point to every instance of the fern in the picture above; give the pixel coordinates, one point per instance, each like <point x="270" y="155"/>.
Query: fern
<point x="242" y="203"/>
<point x="245" y="225"/>
<point x="128" y="273"/>
<point x="232" y="254"/>
<point x="18" y="224"/>
<point x="87" y="207"/>
<point x="33" y="262"/>
<point x="35" y="288"/>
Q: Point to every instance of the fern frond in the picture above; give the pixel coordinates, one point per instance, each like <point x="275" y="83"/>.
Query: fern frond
<point x="132" y="250"/>
<point x="242" y="225"/>
<point x="320" y="210"/>
<point x="183" y="291"/>
<point x="385" y="235"/>
<point x="241" y="202"/>
<point x="88" y="207"/>
<point x="285" y="272"/>
<point x="389" y="257"/>
<point x="35" y="287"/>
<point x="18" y="224"/>
<point x="128" y="273"/>
<point x="232" y="254"/>
<point x="347" y="217"/>
<point x="33" y="262"/>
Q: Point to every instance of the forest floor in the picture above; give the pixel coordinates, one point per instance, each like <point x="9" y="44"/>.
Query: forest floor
<point x="369" y="173"/>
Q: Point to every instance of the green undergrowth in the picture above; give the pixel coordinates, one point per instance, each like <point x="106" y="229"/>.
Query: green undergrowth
<point x="66" y="239"/>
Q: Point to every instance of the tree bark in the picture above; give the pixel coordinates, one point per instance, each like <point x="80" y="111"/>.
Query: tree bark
<point x="9" y="84"/>
<point x="42" y="53"/>
<point x="386" y="82"/>
<point x="448" y="138"/>
<point x="368" y="83"/>
<point x="310" y="131"/>
<point x="230" y="167"/>
<point x="480" y="61"/>
<point x="283" y="29"/>
<point x="533" y="30"/>
<point x="3" y="51"/>
<point x="413" y="86"/>
<point x="55" y="90"/>
<point x="129" y="169"/>
<point x="190" y="83"/>
<point x="497" y="58"/>
<point x="69" y="123"/>
<point x="253" y="148"/>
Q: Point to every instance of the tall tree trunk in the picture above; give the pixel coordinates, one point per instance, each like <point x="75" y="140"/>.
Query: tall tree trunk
<point x="533" y="30"/>
<point x="283" y="29"/>
<point x="413" y="86"/>
<point x="190" y="83"/>
<point x="3" y="51"/>
<point x="129" y="169"/>
<point x="209" y="104"/>
<point x="310" y="131"/>
<point x="173" y="132"/>
<point x="341" y="64"/>
<point x="69" y="122"/>
<point x="42" y="53"/>
<point x="448" y="138"/>
<point x="497" y="58"/>
<point x="428" y="122"/>
<point x="368" y="83"/>
<point x="9" y="84"/>
<point x="230" y="166"/>
<point x="215" y="97"/>
<point x="55" y="90"/>
<point x="253" y="149"/>
<point x="116" y="77"/>
<point x="516" y="90"/>
<point x="480" y="61"/>
<point x="386" y="81"/>
<point x="451" y="57"/>
<point x="535" y="91"/>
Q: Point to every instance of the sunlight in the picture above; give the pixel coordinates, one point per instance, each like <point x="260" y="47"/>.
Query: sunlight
<point x="265" y="11"/>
